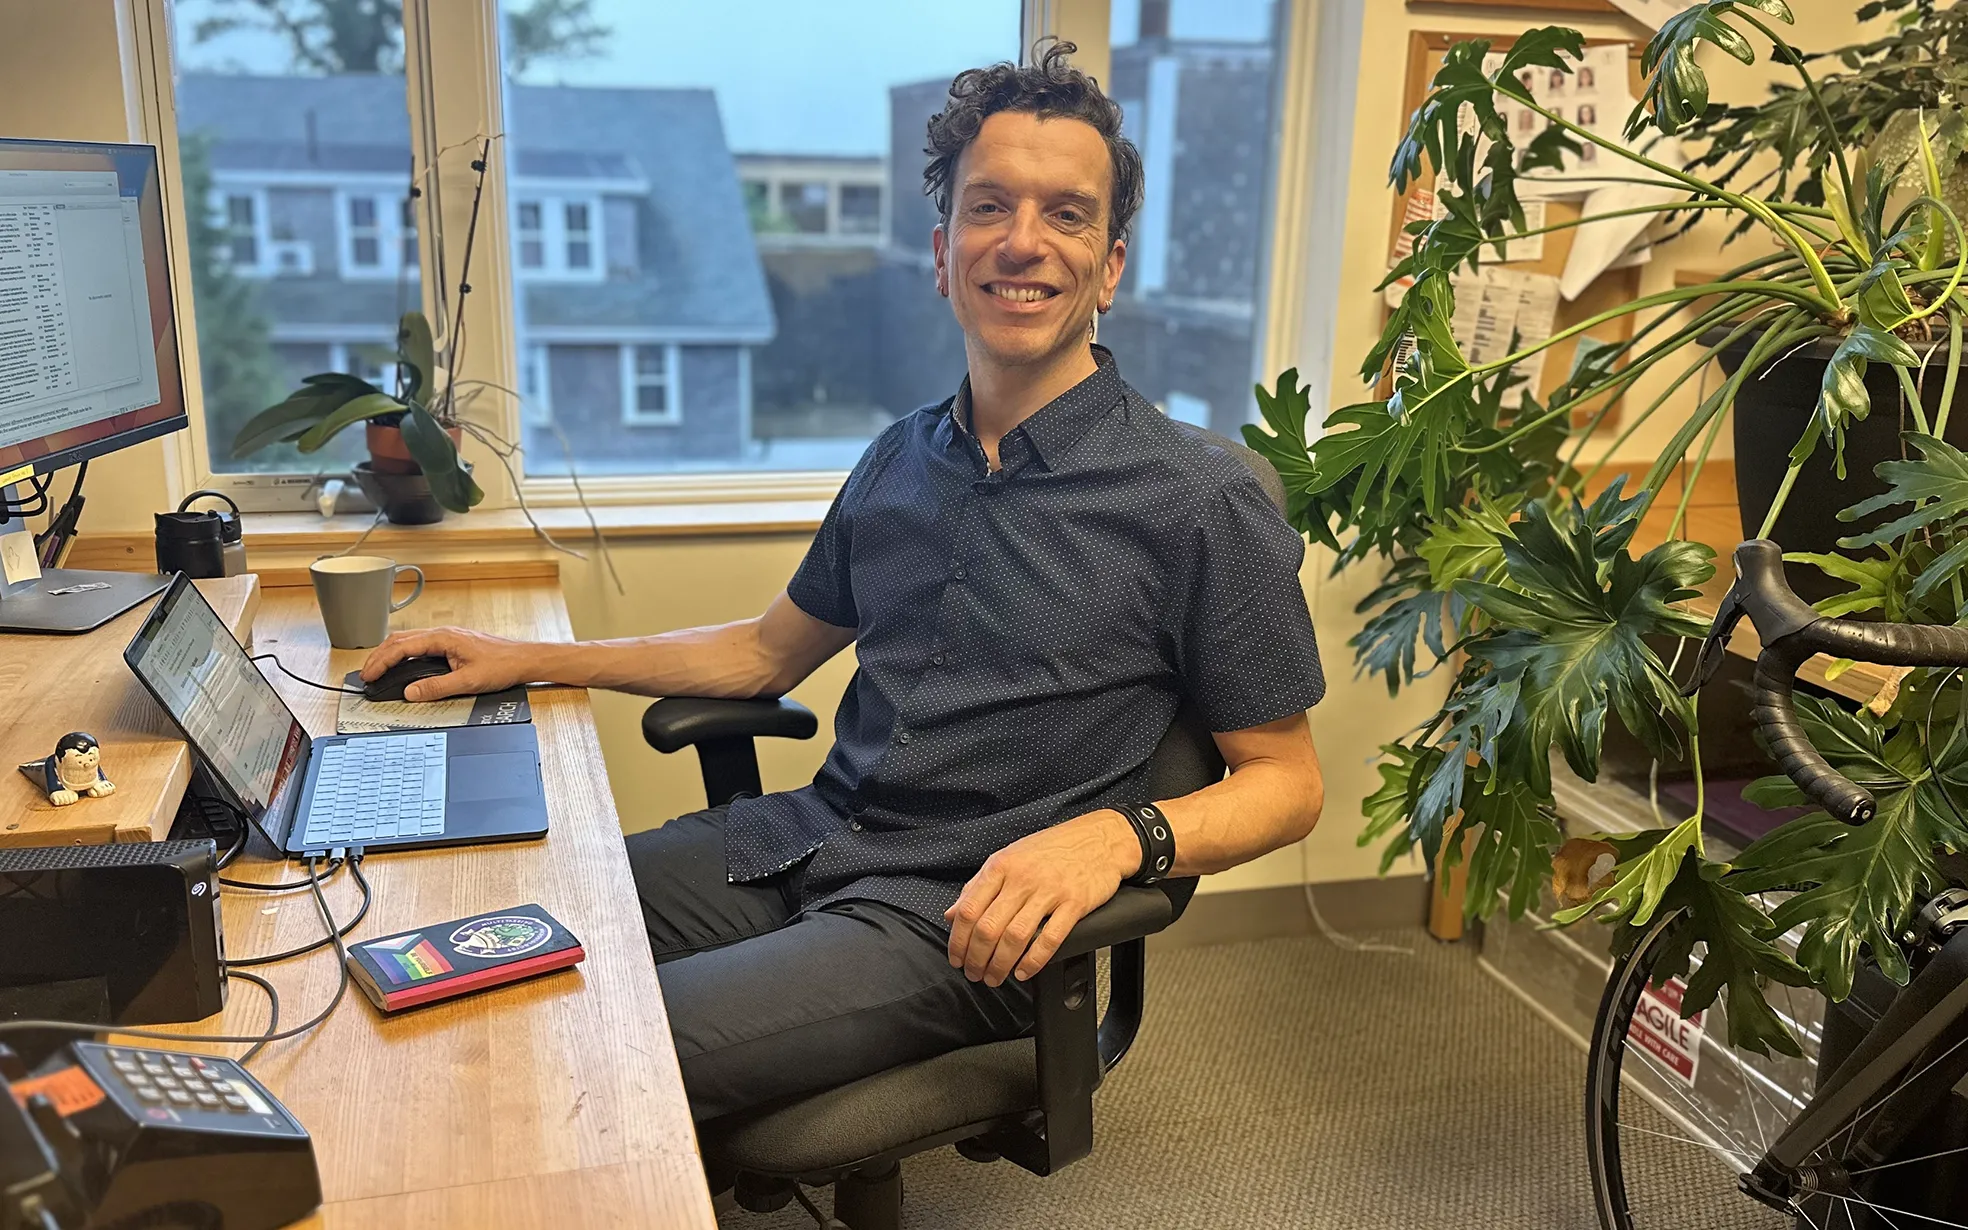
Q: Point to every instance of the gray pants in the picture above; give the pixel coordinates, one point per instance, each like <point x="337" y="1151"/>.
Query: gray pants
<point x="768" y="1002"/>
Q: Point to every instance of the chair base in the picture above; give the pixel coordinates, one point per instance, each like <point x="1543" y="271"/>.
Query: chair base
<point x="870" y="1202"/>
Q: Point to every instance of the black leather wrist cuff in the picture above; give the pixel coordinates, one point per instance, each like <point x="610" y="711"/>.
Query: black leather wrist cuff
<point x="1157" y="841"/>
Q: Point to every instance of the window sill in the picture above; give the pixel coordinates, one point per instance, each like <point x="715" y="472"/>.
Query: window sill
<point x="488" y="544"/>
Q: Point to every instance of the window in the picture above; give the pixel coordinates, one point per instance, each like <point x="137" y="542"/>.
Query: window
<point x="1196" y="83"/>
<point x="804" y="205"/>
<point x="243" y="238"/>
<point x="860" y="209"/>
<point x="557" y="238"/>
<point x="781" y="309"/>
<point x="378" y="234"/>
<point x="580" y="235"/>
<point x="305" y="155"/>
<point x="535" y="384"/>
<point x="532" y="235"/>
<point x="372" y="361"/>
<point x="652" y="395"/>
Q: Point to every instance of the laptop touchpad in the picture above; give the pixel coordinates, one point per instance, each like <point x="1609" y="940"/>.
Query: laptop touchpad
<point x="495" y="775"/>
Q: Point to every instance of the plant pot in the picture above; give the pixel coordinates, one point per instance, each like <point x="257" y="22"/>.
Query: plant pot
<point x="404" y="498"/>
<point x="388" y="454"/>
<point x="1772" y="409"/>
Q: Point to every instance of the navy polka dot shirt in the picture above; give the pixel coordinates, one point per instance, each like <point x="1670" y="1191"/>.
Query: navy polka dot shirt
<point x="1025" y="636"/>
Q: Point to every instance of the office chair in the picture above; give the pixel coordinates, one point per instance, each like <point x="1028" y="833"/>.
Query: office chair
<point x="1030" y="1099"/>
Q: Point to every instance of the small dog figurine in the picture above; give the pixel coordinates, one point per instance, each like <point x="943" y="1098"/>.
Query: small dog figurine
<point x="74" y="770"/>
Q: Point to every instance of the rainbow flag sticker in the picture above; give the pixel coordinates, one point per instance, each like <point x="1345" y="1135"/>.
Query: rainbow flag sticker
<point x="422" y="960"/>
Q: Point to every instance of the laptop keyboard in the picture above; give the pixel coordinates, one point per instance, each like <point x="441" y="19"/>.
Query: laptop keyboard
<point x="372" y="789"/>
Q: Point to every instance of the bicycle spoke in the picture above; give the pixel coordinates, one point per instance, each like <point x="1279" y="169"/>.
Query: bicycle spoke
<point x="1883" y="1098"/>
<point x="1709" y="1145"/>
<point x="1883" y="1210"/>
<point x="1908" y="1161"/>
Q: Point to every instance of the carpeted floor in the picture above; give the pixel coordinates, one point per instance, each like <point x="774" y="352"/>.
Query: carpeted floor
<point x="1287" y="1083"/>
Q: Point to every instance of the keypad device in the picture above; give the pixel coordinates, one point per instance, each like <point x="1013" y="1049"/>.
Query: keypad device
<point x="206" y="1090"/>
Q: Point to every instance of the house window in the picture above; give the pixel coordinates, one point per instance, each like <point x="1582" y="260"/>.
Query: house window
<point x="532" y="236"/>
<point x="860" y="209"/>
<point x="243" y="221"/>
<point x="558" y="237"/>
<point x="365" y="233"/>
<point x="804" y="204"/>
<point x="652" y="394"/>
<point x="408" y="212"/>
<point x="580" y="235"/>
<point x="535" y="407"/>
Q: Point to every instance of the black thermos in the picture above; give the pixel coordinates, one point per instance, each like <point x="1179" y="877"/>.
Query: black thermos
<point x="201" y="544"/>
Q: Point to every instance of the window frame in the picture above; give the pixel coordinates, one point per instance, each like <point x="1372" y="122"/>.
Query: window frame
<point x="633" y="415"/>
<point x="535" y="408"/>
<point x="454" y="94"/>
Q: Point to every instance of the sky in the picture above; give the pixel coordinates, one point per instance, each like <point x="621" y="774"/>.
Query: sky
<point x="791" y="76"/>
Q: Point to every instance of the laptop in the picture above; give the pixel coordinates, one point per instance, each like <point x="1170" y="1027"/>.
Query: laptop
<point x="390" y="790"/>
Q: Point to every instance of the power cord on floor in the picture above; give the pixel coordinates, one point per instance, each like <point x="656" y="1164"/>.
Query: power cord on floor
<point x="1338" y="939"/>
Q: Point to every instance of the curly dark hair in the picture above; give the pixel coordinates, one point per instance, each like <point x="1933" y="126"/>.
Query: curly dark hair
<point x="1048" y="89"/>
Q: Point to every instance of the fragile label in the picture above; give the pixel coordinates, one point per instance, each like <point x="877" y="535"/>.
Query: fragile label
<point x="1659" y="1030"/>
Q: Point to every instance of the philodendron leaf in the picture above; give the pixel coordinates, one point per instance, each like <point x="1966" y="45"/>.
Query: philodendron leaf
<point x="1930" y="170"/>
<point x="1544" y="47"/>
<point x="1640" y="883"/>
<point x="417" y="352"/>
<point x="1854" y="884"/>
<point x="1576" y="628"/>
<point x="1512" y="854"/>
<point x="1388" y="807"/>
<point x="1284" y="410"/>
<point x="1676" y="85"/>
<point x="1872" y="581"/>
<point x="1741" y="958"/>
<point x="1843" y="398"/>
<point x="1403" y="609"/>
<point x="1467" y="543"/>
<point x="1936" y="485"/>
<point x="437" y="457"/>
<point x="354" y="410"/>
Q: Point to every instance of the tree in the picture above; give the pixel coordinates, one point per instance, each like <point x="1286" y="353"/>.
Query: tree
<point x="366" y="36"/>
<point x="241" y="375"/>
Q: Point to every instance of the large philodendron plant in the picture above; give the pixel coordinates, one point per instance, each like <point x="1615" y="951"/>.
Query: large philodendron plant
<point x="1474" y="513"/>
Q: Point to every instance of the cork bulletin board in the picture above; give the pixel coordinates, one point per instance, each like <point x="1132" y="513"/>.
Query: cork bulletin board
<point x="1613" y="287"/>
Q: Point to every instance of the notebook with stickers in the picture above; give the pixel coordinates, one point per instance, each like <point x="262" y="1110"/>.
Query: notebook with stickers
<point x="418" y="967"/>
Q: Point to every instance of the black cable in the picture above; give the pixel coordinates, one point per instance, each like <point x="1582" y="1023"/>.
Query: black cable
<point x="275" y="886"/>
<point x="354" y="865"/>
<point x="326" y="687"/>
<point x="273" y="1010"/>
<point x="61" y="527"/>
<point x="33" y="506"/>
<point x="226" y="859"/>
<point x="158" y="1035"/>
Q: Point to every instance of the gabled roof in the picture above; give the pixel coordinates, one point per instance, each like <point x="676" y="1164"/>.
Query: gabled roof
<point x="698" y="268"/>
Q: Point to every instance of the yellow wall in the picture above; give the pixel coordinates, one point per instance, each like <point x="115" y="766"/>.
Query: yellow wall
<point x="60" y="64"/>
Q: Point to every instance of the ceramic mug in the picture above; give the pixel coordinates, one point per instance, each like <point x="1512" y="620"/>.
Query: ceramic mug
<point x="354" y="594"/>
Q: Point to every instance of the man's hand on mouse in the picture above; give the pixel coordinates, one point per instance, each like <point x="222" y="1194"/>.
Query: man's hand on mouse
<point x="479" y="663"/>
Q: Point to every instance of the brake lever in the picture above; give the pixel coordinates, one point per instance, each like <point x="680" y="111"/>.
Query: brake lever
<point x="1715" y="647"/>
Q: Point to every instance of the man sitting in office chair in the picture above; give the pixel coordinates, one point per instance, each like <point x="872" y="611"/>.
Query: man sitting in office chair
<point x="1034" y="574"/>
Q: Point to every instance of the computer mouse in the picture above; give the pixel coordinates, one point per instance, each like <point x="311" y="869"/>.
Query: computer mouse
<point x="390" y="684"/>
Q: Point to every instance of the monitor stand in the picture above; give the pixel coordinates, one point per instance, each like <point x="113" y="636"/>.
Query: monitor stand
<point x="63" y="600"/>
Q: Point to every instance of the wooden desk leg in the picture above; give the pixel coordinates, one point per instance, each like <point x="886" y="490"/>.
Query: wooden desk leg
<point x="1445" y="900"/>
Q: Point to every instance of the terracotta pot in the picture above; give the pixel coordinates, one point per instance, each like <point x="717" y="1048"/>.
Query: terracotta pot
<point x="388" y="454"/>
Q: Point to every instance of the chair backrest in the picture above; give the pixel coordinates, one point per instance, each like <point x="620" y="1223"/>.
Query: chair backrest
<point x="1186" y="760"/>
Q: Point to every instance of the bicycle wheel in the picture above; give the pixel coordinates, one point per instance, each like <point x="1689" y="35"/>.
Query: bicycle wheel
<point x="1674" y="1116"/>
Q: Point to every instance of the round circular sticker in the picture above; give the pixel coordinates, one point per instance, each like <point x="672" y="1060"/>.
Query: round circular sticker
<point x="505" y="936"/>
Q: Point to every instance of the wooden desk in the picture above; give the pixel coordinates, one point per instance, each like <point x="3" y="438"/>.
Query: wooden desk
<point x="555" y="1103"/>
<point x="55" y="684"/>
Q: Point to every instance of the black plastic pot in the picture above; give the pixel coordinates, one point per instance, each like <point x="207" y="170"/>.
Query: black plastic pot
<point x="404" y="498"/>
<point x="1772" y="409"/>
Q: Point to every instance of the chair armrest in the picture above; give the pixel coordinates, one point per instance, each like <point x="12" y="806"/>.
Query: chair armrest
<point x="677" y="722"/>
<point x="1131" y="913"/>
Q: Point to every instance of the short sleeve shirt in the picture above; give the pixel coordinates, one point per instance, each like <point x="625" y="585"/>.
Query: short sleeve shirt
<point x="1025" y="636"/>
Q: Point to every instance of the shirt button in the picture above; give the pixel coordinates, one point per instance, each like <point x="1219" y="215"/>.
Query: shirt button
<point x="936" y="659"/>
<point x="957" y="571"/>
<point x="855" y="825"/>
<point x="902" y="736"/>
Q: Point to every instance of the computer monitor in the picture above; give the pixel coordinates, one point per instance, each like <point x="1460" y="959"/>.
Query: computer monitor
<point x="88" y="344"/>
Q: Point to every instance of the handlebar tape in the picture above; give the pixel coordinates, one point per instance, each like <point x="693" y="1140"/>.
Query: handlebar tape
<point x="1800" y="762"/>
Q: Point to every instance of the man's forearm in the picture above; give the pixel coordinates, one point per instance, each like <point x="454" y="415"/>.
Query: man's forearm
<point x="1257" y="809"/>
<point x="724" y="660"/>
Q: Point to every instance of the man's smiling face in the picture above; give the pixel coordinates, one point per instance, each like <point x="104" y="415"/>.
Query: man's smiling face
<point x="1025" y="259"/>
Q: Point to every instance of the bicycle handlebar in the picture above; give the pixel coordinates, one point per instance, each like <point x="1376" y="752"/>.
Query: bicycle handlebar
<point x="1791" y="633"/>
